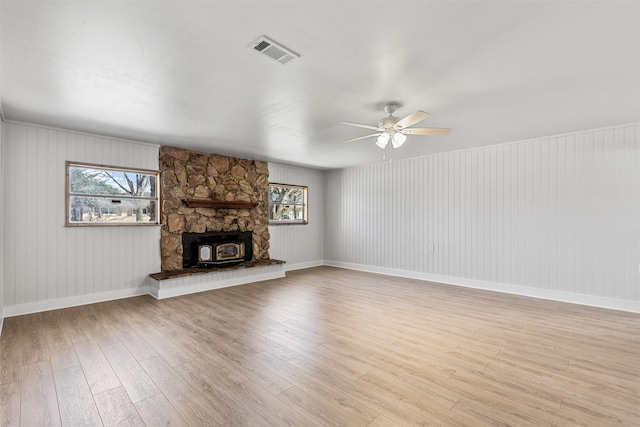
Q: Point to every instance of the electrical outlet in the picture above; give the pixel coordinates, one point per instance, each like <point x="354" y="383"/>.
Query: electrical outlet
<point x="432" y="247"/>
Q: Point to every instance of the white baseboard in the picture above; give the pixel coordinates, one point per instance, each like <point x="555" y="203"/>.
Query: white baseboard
<point x="302" y="265"/>
<point x="151" y="287"/>
<point x="569" y="297"/>
<point x="161" y="289"/>
<point x="274" y="272"/>
<point x="54" y="304"/>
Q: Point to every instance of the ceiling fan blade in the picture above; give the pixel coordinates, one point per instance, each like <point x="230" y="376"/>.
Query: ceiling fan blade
<point x="427" y="131"/>
<point x="361" y="125"/>
<point x="412" y="119"/>
<point x="361" y="137"/>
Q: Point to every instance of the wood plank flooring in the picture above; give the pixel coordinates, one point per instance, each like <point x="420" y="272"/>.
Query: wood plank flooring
<point x="323" y="347"/>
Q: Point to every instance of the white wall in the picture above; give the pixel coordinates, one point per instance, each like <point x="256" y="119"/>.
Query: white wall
<point x="1" y="220"/>
<point x="299" y="245"/>
<point x="47" y="265"/>
<point x="555" y="217"/>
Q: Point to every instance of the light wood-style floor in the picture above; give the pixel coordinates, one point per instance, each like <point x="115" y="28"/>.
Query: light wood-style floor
<point x="323" y="347"/>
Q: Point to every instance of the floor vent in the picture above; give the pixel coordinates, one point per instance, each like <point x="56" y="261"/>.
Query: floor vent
<point x="274" y="50"/>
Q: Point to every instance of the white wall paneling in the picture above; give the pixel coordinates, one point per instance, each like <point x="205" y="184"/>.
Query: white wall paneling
<point x="45" y="261"/>
<point x="1" y="219"/>
<point x="553" y="217"/>
<point x="299" y="245"/>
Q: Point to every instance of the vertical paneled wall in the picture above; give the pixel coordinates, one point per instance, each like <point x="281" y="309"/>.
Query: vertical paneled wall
<point x="1" y="220"/>
<point x="559" y="213"/>
<point x="43" y="259"/>
<point x="299" y="245"/>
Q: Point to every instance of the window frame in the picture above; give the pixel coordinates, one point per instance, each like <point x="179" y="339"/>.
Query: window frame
<point x="305" y="205"/>
<point x="69" y="195"/>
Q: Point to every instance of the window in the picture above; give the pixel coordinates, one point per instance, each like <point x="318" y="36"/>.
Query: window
<point x="287" y="204"/>
<point x="105" y="195"/>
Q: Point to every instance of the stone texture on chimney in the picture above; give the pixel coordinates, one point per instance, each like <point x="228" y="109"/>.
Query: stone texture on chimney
<point x="188" y="174"/>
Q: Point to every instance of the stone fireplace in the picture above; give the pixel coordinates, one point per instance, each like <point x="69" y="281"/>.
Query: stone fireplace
<point x="210" y="194"/>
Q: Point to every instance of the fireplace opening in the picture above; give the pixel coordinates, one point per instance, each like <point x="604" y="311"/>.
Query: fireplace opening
<point x="216" y="249"/>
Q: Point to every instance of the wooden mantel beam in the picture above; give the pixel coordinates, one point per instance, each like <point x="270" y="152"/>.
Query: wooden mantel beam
<point x="219" y="204"/>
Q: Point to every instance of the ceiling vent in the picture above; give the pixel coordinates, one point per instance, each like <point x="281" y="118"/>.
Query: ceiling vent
<point x="274" y="50"/>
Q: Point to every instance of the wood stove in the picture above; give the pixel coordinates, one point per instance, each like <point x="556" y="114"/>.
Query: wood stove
<point x="218" y="249"/>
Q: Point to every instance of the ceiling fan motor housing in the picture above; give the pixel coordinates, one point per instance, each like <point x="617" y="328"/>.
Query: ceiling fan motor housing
<point x="388" y="122"/>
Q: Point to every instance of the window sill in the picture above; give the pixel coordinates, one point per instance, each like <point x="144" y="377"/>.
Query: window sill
<point x="288" y="222"/>
<point x="113" y="224"/>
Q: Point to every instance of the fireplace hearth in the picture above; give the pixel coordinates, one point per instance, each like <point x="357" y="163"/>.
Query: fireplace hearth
<point x="219" y="249"/>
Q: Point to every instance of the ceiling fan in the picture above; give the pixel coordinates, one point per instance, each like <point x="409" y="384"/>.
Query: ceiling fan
<point x="396" y="129"/>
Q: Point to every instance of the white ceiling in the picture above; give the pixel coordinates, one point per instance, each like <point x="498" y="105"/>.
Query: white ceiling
<point x="182" y="73"/>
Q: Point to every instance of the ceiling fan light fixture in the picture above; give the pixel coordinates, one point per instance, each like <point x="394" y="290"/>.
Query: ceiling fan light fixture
<point x="394" y="130"/>
<point x="383" y="140"/>
<point x="398" y="139"/>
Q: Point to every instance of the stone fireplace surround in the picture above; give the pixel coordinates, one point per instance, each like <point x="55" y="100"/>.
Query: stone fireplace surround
<point x="191" y="178"/>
